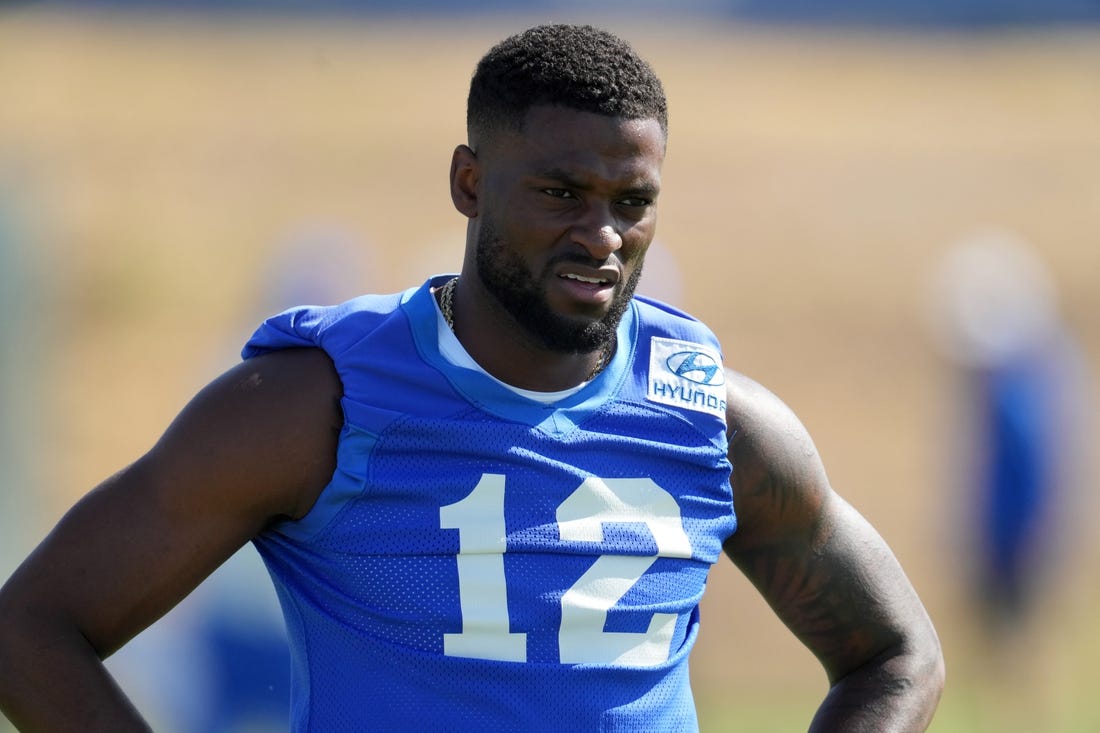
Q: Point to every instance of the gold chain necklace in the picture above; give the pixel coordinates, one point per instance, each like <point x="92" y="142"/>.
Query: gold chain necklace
<point x="446" y="306"/>
<point x="446" y="301"/>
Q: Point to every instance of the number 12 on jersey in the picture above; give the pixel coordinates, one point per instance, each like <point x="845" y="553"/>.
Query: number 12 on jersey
<point x="482" y="585"/>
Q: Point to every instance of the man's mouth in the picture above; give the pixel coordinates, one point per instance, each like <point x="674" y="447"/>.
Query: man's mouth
<point x="583" y="279"/>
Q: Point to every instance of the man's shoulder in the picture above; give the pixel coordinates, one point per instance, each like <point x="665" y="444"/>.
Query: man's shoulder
<point x="355" y="313"/>
<point x="765" y="433"/>
<point x="662" y="319"/>
<point x="651" y="308"/>
<point x="334" y="328"/>
<point x="750" y="406"/>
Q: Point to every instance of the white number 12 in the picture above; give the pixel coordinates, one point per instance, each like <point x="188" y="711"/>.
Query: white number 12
<point x="482" y="587"/>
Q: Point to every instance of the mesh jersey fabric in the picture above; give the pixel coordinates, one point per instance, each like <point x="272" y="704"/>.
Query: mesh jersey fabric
<point x="480" y="561"/>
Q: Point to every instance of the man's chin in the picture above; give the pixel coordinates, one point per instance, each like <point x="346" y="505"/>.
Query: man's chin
<point x="575" y="334"/>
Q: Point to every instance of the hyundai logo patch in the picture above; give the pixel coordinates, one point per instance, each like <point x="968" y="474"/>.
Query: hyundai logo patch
<point x="686" y="375"/>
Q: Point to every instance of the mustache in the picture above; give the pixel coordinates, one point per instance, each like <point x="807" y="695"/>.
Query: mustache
<point x="577" y="258"/>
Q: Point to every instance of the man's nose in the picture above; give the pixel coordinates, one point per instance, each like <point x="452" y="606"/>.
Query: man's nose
<point x="598" y="233"/>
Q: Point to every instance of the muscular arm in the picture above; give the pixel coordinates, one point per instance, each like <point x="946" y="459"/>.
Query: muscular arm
<point x="256" y="444"/>
<point x="827" y="574"/>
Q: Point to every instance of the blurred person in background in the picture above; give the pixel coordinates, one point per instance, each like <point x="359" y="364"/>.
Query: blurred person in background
<point x="996" y="320"/>
<point x="489" y="502"/>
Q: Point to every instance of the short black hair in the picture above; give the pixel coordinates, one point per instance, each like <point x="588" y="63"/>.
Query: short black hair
<point x="575" y="66"/>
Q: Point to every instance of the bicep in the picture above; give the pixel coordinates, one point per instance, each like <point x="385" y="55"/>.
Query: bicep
<point x="256" y="444"/>
<point x="820" y="565"/>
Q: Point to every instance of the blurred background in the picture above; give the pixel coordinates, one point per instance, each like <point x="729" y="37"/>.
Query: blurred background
<point x="888" y="211"/>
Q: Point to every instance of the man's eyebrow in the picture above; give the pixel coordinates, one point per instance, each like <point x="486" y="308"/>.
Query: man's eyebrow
<point x="561" y="175"/>
<point x="640" y="186"/>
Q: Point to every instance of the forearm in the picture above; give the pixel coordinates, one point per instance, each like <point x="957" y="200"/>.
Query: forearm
<point x="896" y="695"/>
<point x="52" y="680"/>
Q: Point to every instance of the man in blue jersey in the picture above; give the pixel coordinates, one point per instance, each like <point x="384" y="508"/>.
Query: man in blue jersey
<point x="488" y="502"/>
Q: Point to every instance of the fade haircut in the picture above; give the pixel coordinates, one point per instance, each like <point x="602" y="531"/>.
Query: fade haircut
<point x="574" y="66"/>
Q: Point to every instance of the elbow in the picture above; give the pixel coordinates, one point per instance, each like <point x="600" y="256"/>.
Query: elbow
<point x="28" y="630"/>
<point x="928" y="658"/>
<point x="10" y="632"/>
<point x="11" y="636"/>
<point x="934" y="670"/>
<point x="926" y="675"/>
<point x="921" y="667"/>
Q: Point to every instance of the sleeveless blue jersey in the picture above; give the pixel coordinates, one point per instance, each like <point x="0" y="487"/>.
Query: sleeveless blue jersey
<point x="484" y="562"/>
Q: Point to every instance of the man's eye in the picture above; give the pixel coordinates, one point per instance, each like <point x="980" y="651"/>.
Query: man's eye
<point x="636" y="202"/>
<point x="558" y="193"/>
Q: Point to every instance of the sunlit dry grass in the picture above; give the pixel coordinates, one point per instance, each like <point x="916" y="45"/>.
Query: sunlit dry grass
<point x="157" y="166"/>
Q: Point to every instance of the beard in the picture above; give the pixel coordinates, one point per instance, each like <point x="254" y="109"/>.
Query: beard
<point x="517" y="289"/>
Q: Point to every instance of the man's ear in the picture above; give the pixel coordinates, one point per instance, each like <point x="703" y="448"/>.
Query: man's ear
<point x="465" y="180"/>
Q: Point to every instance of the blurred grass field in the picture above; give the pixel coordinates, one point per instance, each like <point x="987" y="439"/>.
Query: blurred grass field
<point x="156" y="165"/>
